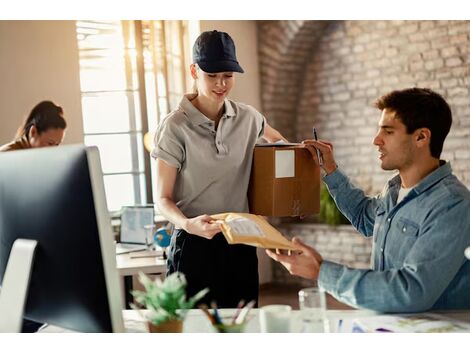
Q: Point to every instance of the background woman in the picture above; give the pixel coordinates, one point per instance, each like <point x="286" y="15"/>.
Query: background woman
<point x="45" y="126"/>
<point x="204" y="151"/>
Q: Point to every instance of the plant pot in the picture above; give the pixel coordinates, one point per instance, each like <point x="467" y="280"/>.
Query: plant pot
<point x="167" y="326"/>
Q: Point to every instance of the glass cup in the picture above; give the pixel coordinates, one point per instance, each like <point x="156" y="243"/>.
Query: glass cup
<point x="312" y="304"/>
<point x="149" y="232"/>
<point x="275" y="318"/>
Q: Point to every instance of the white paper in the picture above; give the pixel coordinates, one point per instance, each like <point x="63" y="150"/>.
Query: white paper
<point x="245" y="227"/>
<point x="284" y="161"/>
<point x="424" y="322"/>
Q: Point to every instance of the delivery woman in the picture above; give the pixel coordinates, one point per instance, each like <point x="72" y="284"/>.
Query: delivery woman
<point x="204" y="151"/>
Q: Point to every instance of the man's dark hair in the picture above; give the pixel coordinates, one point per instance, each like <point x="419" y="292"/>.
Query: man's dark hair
<point x="418" y="108"/>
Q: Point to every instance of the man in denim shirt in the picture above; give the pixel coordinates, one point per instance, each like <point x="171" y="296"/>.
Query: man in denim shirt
<point x="419" y="223"/>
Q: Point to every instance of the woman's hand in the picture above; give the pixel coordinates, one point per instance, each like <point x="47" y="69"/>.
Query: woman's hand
<point x="203" y="226"/>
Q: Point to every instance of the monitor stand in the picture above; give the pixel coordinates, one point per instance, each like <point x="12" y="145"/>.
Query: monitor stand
<point x="15" y="285"/>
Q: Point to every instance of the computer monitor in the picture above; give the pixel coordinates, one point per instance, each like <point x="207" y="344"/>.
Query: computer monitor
<point x="56" y="196"/>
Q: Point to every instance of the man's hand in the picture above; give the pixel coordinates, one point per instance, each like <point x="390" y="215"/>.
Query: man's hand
<point x="326" y="149"/>
<point x="203" y="226"/>
<point x="305" y="264"/>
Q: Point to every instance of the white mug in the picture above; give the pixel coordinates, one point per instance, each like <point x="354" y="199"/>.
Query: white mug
<point x="275" y="318"/>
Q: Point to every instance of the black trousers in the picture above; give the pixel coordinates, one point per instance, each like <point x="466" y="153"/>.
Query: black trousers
<point x="229" y="271"/>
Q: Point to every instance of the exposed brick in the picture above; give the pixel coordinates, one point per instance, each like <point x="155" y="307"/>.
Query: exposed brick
<point x="441" y="74"/>
<point x="358" y="48"/>
<point x="448" y="52"/>
<point x="453" y="61"/>
<point x="426" y="25"/>
<point x="448" y="83"/>
<point x="409" y="28"/>
<point x="459" y="39"/>
<point x="416" y="37"/>
<point x="434" y="64"/>
<point x="458" y="91"/>
<point x="430" y="54"/>
<point x="417" y="65"/>
<point x="462" y="154"/>
<point x="441" y="42"/>
<point x="436" y="32"/>
<point x="461" y="27"/>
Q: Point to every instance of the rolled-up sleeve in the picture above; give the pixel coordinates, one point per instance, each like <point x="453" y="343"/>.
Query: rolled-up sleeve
<point x="169" y="146"/>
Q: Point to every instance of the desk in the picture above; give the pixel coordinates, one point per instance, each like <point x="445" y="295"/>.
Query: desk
<point x="128" y="266"/>
<point x="197" y="322"/>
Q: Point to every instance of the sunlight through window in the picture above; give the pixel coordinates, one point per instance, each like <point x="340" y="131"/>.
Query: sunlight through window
<point x="132" y="74"/>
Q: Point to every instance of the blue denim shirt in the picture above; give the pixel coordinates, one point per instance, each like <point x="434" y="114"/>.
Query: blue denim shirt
<point x="418" y="258"/>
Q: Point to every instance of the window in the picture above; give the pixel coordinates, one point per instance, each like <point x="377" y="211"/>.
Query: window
<point x="132" y="73"/>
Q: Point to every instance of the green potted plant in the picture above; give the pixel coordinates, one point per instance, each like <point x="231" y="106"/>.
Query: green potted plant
<point x="329" y="213"/>
<point x="166" y="302"/>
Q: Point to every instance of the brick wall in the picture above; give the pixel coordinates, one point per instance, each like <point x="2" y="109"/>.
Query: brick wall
<point x="357" y="61"/>
<point x="329" y="73"/>
<point x="284" y="49"/>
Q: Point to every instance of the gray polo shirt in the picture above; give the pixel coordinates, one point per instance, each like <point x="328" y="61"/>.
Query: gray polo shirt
<point x="213" y="165"/>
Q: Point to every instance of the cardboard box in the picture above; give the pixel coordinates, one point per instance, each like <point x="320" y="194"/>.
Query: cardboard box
<point x="285" y="181"/>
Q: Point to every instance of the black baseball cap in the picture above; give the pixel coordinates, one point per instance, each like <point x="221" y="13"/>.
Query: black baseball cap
<point x="214" y="52"/>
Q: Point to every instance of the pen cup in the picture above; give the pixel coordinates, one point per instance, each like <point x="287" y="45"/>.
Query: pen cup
<point x="228" y="326"/>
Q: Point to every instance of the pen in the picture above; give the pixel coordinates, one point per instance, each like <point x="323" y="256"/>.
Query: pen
<point x="242" y="316"/>
<point x="239" y="308"/>
<point x="320" y="159"/>
<point x="216" y="313"/>
<point x="204" y="308"/>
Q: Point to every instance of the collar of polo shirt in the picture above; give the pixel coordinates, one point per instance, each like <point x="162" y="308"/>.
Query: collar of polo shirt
<point x="196" y="117"/>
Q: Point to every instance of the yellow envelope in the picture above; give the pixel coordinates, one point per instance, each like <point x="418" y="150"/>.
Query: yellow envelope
<point x="253" y="230"/>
